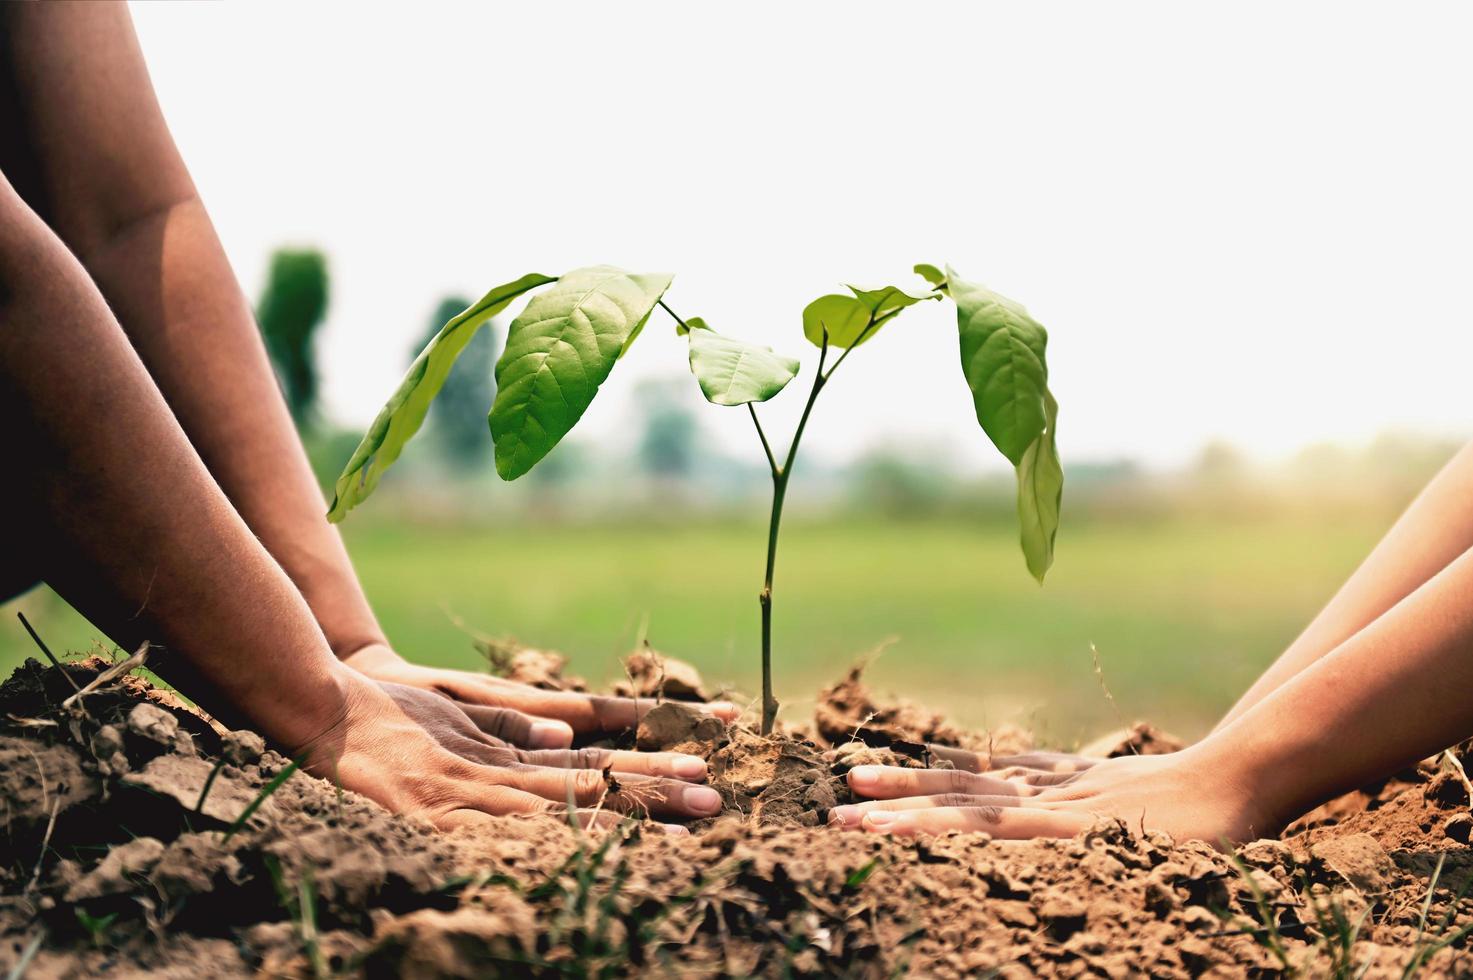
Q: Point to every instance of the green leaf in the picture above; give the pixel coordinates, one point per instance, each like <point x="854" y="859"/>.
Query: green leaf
<point x="557" y="354"/>
<point x="931" y="274"/>
<point x="694" y="323"/>
<point x="404" y="413"/>
<point x="850" y="321"/>
<point x="843" y="317"/>
<point x="886" y="301"/>
<point x="1040" y="492"/>
<point x="1002" y="351"/>
<point x="732" y="372"/>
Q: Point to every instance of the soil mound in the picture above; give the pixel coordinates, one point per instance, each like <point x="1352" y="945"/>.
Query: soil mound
<point x="137" y="841"/>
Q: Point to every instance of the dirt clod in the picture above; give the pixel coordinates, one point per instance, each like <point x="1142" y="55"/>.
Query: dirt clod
<point x="672" y="726"/>
<point x="655" y="675"/>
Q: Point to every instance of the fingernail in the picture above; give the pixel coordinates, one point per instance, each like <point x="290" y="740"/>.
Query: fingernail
<point x="689" y="767"/>
<point x="879" y="819"/>
<point x="725" y="708"/>
<point x="676" y="830"/>
<point x="550" y="735"/>
<point x="844" y="816"/>
<point x="702" y="799"/>
<point x="864" y="777"/>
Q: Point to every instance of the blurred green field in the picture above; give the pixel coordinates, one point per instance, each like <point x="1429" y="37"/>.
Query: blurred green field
<point x="1184" y="612"/>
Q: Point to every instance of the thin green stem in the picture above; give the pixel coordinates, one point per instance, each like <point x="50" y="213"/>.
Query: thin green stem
<point x="683" y="325"/>
<point x="869" y="328"/>
<point x="766" y="447"/>
<point x="780" y="477"/>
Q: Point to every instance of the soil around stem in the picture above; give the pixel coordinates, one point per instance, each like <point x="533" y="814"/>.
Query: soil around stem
<point x="113" y="865"/>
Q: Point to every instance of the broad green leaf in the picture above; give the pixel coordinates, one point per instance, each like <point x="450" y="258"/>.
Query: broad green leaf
<point x="1002" y="351"/>
<point x="732" y="372"/>
<point x="557" y="354"/>
<point x="850" y="321"/>
<point x="931" y="274"/>
<point x="1040" y="491"/>
<point x="404" y="413"/>
<point x="843" y="317"/>
<point x="694" y="323"/>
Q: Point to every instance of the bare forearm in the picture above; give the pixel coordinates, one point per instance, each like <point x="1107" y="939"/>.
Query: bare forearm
<point x="118" y="193"/>
<point x="1395" y="692"/>
<point x="133" y="530"/>
<point x="1436" y="529"/>
<point x="173" y="290"/>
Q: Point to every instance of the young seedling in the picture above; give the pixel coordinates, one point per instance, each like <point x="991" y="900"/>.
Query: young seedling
<point x="566" y="341"/>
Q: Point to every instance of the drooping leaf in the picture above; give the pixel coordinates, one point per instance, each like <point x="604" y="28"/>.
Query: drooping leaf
<point x="1040" y="492"/>
<point x="850" y="321"/>
<point x="931" y="274"/>
<point x="404" y="413"/>
<point x="732" y="372"/>
<point x="558" y="352"/>
<point x="1002" y="350"/>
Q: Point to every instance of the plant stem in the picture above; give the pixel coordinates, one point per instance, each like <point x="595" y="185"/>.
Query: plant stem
<point x="766" y="447"/>
<point x="780" y="476"/>
<point x="684" y="326"/>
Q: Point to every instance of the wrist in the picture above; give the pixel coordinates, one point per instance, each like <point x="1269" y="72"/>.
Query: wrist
<point x="367" y="656"/>
<point x="1242" y="776"/>
<point x="299" y="715"/>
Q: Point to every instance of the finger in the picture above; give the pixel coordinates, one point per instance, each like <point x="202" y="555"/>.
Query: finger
<point x="851" y="815"/>
<point x="586" y="713"/>
<point x="519" y="728"/>
<point x="691" y="768"/>
<point x="1060" y="762"/>
<point x="632" y="793"/>
<point x="1039" y="779"/>
<point x="1011" y="823"/>
<point x="890" y="782"/>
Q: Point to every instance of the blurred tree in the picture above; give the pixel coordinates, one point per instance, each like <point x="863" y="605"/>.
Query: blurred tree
<point x="458" y="416"/>
<point x="290" y="311"/>
<point x="667" y="444"/>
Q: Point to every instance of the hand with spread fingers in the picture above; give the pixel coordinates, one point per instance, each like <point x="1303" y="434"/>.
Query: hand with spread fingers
<point x="417" y="753"/>
<point x="1165" y="792"/>
<point x="1388" y="655"/>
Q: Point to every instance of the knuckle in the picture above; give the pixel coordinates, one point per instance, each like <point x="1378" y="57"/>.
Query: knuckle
<point x="592" y="758"/>
<point x="954" y="799"/>
<point x="587" y="782"/>
<point x="989" y="816"/>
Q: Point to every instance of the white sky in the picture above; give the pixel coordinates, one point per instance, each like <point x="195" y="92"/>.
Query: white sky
<point x="1249" y="222"/>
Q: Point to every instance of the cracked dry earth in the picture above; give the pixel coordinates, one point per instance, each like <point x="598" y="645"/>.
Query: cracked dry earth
<point x="112" y="868"/>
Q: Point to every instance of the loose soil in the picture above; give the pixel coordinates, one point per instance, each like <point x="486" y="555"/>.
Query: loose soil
<point x="113" y="866"/>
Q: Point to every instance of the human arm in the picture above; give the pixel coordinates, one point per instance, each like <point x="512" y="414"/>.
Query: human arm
<point x="1392" y="693"/>
<point x="126" y="523"/>
<point x="1434" y="530"/>
<point x="115" y="187"/>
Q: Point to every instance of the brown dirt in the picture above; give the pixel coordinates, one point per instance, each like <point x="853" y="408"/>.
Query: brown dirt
<point x="112" y="867"/>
